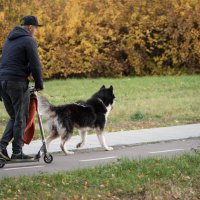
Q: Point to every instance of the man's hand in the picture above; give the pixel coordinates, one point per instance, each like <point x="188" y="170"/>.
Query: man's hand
<point x="38" y="89"/>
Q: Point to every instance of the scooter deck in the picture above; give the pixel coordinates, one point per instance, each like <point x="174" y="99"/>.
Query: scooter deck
<point x="12" y="161"/>
<point x="48" y="158"/>
<point x="21" y="160"/>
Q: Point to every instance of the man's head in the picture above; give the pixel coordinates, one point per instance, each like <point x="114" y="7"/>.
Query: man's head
<point x="30" y="23"/>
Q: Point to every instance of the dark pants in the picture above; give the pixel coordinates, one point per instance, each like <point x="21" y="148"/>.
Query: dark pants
<point x="15" y="97"/>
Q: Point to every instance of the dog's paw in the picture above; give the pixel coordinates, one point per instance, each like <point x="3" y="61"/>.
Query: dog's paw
<point x="80" y="144"/>
<point x="109" y="149"/>
<point x="69" y="153"/>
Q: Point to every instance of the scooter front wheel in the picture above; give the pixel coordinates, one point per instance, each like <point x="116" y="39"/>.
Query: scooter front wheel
<point x="2" y="162"/>
<point x="48" y="158"/>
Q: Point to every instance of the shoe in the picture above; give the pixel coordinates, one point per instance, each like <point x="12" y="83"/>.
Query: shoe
<point x="4" y="154"/>
<point x="20" y="156"/>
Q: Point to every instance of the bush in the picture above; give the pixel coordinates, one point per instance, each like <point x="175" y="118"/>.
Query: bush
<point x="84" y="38"/>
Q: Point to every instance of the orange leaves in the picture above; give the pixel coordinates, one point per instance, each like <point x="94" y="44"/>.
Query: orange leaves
<point x="2" y="16"/>
<point x="111" y="37"/>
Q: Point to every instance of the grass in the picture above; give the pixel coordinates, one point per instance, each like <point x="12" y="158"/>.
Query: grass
<point x="141" y="102"/>
<point x="152" y="178"/>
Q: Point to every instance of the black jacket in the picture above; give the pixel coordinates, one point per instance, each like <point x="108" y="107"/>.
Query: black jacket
<point x="20" y="58"/>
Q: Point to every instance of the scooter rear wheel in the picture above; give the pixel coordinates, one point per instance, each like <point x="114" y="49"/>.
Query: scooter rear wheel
<point x="48" y="158"/>
<point x="2" y="162"/>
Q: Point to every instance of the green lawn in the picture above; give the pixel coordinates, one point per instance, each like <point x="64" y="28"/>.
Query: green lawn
<point x="152" y="178"/>
<point x="141" y="102"/>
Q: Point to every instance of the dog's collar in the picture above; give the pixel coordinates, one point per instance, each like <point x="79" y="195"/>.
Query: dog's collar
<point x="104" y="103"/>
<point x="101" y="101"/>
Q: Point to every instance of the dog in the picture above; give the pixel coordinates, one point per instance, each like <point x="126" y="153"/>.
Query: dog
<point x="82" y="115"/>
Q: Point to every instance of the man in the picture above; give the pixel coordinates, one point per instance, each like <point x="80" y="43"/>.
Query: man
<point x="19" y="60"/>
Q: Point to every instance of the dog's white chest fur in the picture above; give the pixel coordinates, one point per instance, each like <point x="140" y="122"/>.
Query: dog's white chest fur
<point x="109" y="108"/>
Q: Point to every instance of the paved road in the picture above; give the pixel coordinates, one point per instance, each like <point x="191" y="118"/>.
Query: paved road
<point x="83" y="159"/>
<point x="132" y="137"/>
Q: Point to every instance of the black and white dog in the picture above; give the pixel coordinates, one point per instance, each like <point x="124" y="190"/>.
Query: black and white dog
<point x="83" y="115"/>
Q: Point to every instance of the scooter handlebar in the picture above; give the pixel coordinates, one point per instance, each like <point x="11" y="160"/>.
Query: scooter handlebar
<point x="33" y="89"/>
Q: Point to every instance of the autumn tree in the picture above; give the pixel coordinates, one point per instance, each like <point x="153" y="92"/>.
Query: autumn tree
<point x="111" y="38"/>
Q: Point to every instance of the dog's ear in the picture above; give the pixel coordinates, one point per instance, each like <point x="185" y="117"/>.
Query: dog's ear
<point x="111" y="88"/>
<point x="102" y="87"/>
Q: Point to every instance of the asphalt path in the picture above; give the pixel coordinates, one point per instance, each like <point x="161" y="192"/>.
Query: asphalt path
<point x="85" y="159"/>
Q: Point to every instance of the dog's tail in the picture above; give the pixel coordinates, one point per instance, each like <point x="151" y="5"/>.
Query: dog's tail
<point x="44" y="107"/>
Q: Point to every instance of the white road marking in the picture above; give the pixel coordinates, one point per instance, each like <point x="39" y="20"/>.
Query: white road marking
<point x="105" y="158"/>
<point x="166" y="151"/>
<point x="16" y="168"/>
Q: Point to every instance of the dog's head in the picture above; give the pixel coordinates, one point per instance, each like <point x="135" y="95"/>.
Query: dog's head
<point x="106" y="95"/>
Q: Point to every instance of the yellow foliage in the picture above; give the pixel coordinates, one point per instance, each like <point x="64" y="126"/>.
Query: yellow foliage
<point x="84" y="38"/>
